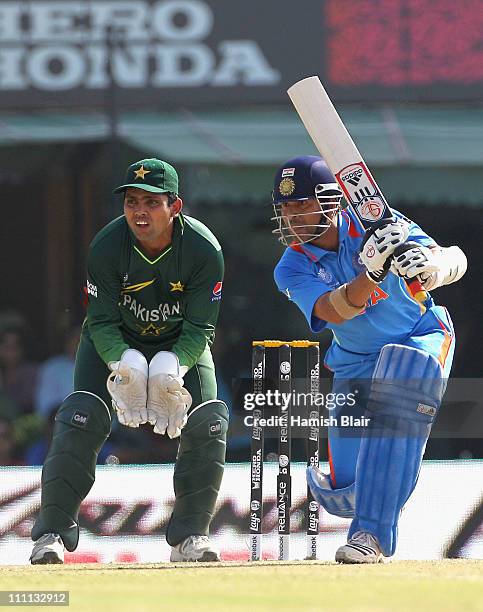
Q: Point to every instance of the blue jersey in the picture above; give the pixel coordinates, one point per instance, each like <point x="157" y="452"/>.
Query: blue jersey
<point x="305" y="272"/>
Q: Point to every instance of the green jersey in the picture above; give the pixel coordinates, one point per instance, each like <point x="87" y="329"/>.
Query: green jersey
<point x="170" y="302"/>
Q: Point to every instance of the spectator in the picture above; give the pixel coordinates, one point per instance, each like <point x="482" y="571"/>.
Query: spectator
<point x="18" y="377"/>
<point x="7" y="443"/>
<point x="56" y="376"/>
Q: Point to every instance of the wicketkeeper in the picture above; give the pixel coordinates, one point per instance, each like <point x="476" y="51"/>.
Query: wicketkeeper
<point x="154" y="289"/>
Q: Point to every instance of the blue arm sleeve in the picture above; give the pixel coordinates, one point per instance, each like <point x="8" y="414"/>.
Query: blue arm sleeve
<point x="298" y="280"/>
<point x="415" y="232"/>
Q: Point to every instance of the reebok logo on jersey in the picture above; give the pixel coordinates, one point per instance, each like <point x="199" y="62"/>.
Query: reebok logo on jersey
<point x="91" y="289"/>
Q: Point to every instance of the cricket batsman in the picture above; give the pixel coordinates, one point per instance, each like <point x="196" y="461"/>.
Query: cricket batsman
<point x="392" y="347"/>
<point x="154" y="289"/>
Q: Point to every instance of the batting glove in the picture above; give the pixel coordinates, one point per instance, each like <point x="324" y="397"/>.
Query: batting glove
<point x="378" y="245"/>
<point x="433" y="268"/>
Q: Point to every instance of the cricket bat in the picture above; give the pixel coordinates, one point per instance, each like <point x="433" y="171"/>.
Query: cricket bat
<point x="336" y="146"/>
<point x="334" y="143"/>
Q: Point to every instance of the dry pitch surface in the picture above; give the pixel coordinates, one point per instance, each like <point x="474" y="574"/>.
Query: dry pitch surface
<point x="400" y="586"/>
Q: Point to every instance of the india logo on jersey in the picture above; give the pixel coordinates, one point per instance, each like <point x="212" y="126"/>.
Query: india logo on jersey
<point x="325" y="275"/>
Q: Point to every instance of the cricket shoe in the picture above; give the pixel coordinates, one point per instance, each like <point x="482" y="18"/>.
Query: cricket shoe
<point x="194" y="548"/>
<point x="48" y="549"/>
<point x="362" y="547"/>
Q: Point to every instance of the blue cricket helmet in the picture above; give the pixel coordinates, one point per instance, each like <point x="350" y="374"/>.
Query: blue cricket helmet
<point x="298" y="178"/>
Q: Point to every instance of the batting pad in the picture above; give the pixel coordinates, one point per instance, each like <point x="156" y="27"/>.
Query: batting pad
<point x="82" y="425"/>
<point x="339" y="502"/>
<point x="405" y="397"/>
<point x="198" y="471"/>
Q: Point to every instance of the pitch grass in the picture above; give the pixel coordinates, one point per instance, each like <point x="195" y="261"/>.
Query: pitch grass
<point x="407" y="586"/>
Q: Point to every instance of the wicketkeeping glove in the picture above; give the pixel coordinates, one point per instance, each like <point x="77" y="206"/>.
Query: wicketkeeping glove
<point x="168" y="400"/>
<point x="127" y="386"/>
<point x="378" y="245"/>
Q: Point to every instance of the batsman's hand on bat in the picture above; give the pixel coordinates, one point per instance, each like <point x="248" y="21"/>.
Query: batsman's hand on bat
<point x="433" y="267"/>
<point x="168" y="400"/>
<point x="412" y="260"/>
<point x="127" y="386"/>
<point x="379" y="243"/>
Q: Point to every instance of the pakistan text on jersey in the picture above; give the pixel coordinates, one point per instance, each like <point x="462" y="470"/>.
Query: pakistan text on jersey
<point x="161" y="313"/>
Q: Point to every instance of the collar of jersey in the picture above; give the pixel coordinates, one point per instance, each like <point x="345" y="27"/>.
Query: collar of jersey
<point x="178" y="231"/>
<point x="315" y="253"/>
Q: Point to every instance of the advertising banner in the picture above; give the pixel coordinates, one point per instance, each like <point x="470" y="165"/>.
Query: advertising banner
<point x="124" y="517"/>
<point x="190" y="53"/>
<point x="158" y="53"/>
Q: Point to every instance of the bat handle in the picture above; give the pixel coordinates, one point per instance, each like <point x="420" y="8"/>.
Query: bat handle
<point x="414" y="285"/>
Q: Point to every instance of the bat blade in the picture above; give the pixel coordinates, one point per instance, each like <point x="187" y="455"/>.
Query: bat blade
<point x="330" y="136"/>
<point x="334" y="143"/>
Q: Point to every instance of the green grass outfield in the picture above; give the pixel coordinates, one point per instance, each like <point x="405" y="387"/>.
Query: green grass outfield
<point x="400" y="586"/>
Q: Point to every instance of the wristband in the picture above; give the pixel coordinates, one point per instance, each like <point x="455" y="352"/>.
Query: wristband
<point x="342" y="306"/>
